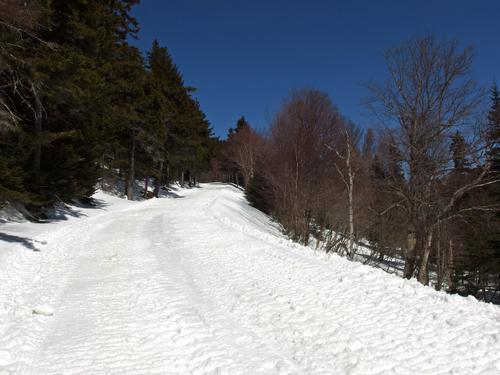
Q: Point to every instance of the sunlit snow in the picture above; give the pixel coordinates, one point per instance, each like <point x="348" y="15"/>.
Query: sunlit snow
<point x="205" y="284"/>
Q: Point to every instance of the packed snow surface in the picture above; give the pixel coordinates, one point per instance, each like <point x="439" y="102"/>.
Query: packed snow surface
<point x="205" y="284"/>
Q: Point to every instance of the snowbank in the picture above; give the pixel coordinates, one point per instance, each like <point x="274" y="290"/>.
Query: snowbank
<point x="206" y="284"/>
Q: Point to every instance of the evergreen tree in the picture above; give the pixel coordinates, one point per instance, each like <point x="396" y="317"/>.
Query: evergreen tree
<point x="259" y="191"/>
<point x="159" y="109"/>
<point x="78" y="104"/>
<point x="459" y="150"/>
<point x="64" y="80"/>
<point x="493" y="132"/>
<point x="188" y="133"/>
<point x="18" y="24"/>
<point x="493" y="237"/>
<point x="81" y="79"/>
<point x="478" y="265"/>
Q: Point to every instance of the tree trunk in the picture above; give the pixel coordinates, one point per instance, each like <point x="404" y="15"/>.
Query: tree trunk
<point x="246" y="180"/>
<point x="131" y="173"/>
<point x="440" y="262"/>
<point x="102" y="172"/>
<point x="158" y="181"/>
<point x="146" y="183"/>
<point x="449" y="266"/>
<point x="349" y="186"/>
<point x="423" y="272"/>
<point x="410" y="253"/>
<point x="37" y="157"/>
<point x="182" y="178"/>
<point x="351" y="205"/>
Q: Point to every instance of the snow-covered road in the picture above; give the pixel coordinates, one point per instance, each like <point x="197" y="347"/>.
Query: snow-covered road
<point x="205" y="284"/>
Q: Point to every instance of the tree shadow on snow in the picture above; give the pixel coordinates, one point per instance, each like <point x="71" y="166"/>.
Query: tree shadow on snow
<point x="169" y="192"/>
<point x="62" y="211"/>
<point x="91" y="203"/>
<point x="24" y="241"/>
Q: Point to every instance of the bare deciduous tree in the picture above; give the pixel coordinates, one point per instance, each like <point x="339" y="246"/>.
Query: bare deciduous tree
<point x="346" y="165"/>
<point x="429" y="96"/>
<point x="299" y="166"/>
<point x="243" y="148"/>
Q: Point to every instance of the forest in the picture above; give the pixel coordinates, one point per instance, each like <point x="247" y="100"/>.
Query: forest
<point x="419" y="194"/>
<point x="81" y="106"/>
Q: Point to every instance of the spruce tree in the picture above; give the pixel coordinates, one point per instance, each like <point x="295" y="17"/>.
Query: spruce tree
<point x="493" y="238"/>
<point x="493" y="132"/>
<point x="18" y="28"/>
<point x="480" y="261"/>
<point x="458" y="149"/>
<point x="85" y="105"/>
<point x="188" y="133"/>
<point x="84" y="89"/>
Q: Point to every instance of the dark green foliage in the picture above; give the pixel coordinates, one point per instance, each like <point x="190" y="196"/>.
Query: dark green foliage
<point x="494" y="115"/>
<point x="493" y="238"/>
<point x="184" y="134"/>
<point x="477" y="269"/>
<point x="79" y="79"/>
<point x="258" y="191"/>
<point x="78" y="104"/>
<point x="493" y="132"/>
<point x="477" y="263"/>
<point x="12" y="176"/>
<point x="459" y="151"/>
<point x="240" y="124"/>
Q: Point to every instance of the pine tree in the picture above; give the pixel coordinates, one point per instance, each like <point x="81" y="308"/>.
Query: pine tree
<point x="158" y="110"/>
<point x="493" y="132"/>
<point x="479" y="260"/>
<point x="63" y="96"/>
<point x="12" y="176"/>
<point x="78" y="79"/>
<point x="458" y="149"/>
<point x="18" y="28"/>
<point x="493" y="237"/>
<point x="85" y="106"/>
<point x="188" y="132"/>
<point x="259" y="191"/>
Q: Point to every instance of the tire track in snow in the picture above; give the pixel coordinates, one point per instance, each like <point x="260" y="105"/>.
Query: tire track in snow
<point x="206" y="285"/>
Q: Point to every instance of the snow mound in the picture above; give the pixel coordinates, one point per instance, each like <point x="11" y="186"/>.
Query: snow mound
<point x="11" y="213"/>
<point x="45" y="310"/>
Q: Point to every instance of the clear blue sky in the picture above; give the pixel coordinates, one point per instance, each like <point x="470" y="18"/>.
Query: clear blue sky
<point x="244" y="56"/>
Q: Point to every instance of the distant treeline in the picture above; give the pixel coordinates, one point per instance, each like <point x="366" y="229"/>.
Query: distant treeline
<point x="80" y="106"/>
<point x="422" y="189"/>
